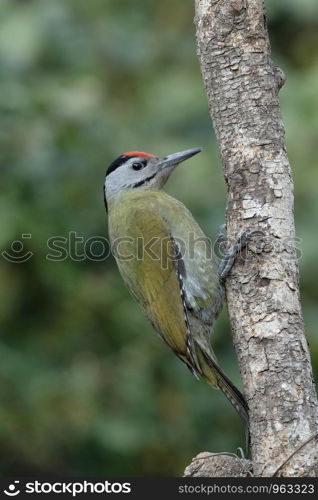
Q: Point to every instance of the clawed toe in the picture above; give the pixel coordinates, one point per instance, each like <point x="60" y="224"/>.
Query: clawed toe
<point x="247" y="235"/>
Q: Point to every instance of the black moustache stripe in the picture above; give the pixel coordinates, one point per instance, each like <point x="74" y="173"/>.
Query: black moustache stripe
<point x="140" y="183"/>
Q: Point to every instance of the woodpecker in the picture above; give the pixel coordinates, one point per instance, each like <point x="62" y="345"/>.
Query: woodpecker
<point x="167" y="264"/>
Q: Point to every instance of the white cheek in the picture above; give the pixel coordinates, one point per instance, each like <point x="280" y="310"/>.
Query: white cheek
<point x="112" y="185"/>
<point x="118" y="180"/>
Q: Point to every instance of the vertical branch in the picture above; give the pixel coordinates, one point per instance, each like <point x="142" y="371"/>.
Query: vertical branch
<point x="242" y="87"/>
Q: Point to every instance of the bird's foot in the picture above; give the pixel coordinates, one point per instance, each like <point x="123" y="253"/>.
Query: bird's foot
<point x="232" y="252"/>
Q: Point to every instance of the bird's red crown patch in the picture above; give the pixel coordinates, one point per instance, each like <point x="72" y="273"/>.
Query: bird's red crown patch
<point x="138" y="153"/>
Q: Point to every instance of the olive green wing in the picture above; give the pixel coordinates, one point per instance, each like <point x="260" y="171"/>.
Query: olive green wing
<point x="157" y="282"/>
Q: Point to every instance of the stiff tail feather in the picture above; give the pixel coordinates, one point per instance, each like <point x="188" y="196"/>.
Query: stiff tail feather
<point x="234" y="396"/>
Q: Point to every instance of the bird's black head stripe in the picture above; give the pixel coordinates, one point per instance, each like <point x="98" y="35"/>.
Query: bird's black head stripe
<point x="117" y="163"/>
<point x="105" y="201"/>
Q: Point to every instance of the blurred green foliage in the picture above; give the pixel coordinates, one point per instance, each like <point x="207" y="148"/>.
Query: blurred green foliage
<point x="86" y="386"/>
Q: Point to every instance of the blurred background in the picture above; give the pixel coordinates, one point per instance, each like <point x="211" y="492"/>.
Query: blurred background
<point x="86" y="386"/>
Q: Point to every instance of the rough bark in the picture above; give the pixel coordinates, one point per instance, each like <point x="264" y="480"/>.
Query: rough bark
<point x="220" y="464"/>
<point x="263" y="300"/>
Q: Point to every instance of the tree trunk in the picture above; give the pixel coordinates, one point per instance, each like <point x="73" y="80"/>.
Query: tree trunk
<point x="242" y="86"/>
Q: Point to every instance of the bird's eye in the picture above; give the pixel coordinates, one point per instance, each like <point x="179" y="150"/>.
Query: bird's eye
<point x="137" y="165"/>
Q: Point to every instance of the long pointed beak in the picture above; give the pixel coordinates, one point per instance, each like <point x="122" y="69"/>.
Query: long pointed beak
<point x="176" y="158"/>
